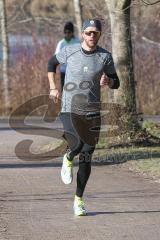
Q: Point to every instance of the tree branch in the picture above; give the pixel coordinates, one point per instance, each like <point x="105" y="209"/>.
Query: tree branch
<point x="151" y="41"/>
<point x="15" y="14"/>
<point x="121" y="10"/>
<point x="148" y="3"/>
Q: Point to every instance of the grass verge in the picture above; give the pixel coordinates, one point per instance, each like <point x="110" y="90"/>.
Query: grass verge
<point x="144" y="160"/>
<point x="147" y="167"/>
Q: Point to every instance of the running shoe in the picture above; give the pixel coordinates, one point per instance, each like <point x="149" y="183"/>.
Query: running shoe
<point x="78" y="207"/>
<point x="67" y="170"/>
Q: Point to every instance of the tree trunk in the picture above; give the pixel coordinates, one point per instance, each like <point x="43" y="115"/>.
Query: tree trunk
<point x="78" y="15"/>
<point x="5" y="60"/>
<point x="119" y="11"/>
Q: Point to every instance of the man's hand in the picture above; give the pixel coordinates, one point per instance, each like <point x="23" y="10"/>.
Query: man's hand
<point x="55" y="94"/>
<point x="104" y="80"/>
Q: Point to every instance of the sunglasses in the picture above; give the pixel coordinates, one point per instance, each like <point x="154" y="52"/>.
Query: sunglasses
<point x="95" y="33"/>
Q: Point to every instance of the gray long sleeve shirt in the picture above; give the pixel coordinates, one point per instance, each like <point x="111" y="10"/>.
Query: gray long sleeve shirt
<point x="81" y="91"/>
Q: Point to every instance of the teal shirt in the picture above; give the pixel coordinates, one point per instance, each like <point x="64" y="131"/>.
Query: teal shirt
<point x="63" y="43"/>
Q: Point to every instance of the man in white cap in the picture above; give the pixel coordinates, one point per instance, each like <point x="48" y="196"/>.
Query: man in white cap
<point x="80" y="111"/>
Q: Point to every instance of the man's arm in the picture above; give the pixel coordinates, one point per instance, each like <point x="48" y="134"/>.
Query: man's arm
<point x="58" y="47"/>
<point x="59" y="58"/>
<point x="110" y="71"/>
<point x="113" y="81"/>
<point x="54" y="86"/>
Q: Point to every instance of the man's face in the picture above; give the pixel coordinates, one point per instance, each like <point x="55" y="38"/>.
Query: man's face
<point x="68" y="35"/>
<point x="91" y="36"/>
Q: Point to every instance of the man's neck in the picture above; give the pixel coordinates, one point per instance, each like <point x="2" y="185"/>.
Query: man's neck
<point x="87" y="48"/>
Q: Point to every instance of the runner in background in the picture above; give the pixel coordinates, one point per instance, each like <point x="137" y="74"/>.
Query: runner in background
<point x="68" y="39"/>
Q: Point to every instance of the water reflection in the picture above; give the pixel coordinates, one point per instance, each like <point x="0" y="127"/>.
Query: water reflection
<point x="22" y="44"/>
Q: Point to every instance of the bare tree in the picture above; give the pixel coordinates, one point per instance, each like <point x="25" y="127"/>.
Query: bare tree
<point x="150" y="3"/>
<point x="4" y="40"/>
<point x="78" y="15"/>
<point x="119" y="11"/>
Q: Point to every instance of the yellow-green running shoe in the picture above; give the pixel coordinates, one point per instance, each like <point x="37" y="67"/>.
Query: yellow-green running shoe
<point x="67" y="170"/>
<point x="78" y="207"/>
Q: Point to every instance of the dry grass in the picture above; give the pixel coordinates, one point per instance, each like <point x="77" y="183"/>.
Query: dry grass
<point x="28" y="74"/>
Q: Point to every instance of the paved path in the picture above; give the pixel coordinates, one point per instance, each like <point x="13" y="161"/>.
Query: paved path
<point x="36" y="205"/>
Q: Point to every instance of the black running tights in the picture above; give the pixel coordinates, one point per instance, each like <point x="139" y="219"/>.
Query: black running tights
<point x="81" y="140"/>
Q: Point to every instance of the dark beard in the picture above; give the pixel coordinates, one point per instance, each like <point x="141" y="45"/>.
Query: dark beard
<point x="92" y="46"/>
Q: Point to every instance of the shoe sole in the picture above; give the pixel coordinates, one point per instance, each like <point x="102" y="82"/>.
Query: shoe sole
<point x="80" y="215"/>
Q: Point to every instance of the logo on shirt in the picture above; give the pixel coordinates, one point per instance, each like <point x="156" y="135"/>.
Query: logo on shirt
<point x="85" y="69"/>
<point x="92" y="22"/>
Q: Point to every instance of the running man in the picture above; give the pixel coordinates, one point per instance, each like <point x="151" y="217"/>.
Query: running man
<point x="68" y="39"/>
<point x="80" y="110"/>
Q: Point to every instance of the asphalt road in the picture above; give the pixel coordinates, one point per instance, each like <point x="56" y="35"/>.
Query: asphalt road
<point x="36" y="205"/>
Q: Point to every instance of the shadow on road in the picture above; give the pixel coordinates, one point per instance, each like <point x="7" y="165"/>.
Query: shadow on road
<point x="121" y="212"/>
<point x="56" y="161"/>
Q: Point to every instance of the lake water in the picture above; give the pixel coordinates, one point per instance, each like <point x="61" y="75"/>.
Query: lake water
<point x="20" y="43"/>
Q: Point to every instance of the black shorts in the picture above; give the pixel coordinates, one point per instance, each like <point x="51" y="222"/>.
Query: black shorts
<point x="81" y="128"/>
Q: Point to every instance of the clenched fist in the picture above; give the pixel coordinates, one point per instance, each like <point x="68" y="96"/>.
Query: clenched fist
<point x="55" y="94"/>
